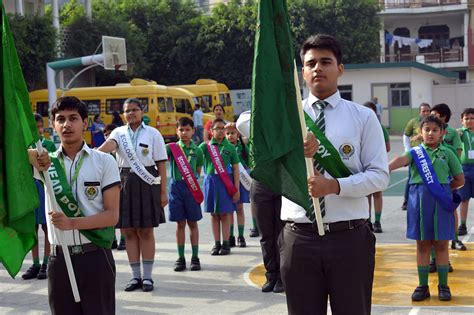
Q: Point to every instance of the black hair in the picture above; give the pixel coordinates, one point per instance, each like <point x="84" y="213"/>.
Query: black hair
<point x="185" y="121"/>
<point x="443" y="111"/>
<point x="69" y="103"/>
<point x="424" y="105"/>
<point x="217" y="120"/>
<point x="432" y="119"/>
<point x="467" y="111"/>
<point x="110" y="127"/>
<point x="96" y="116"/>
<point x="223" y="110"/>
<point x="322" y="41"/>
<point x="371" y="105"/>
<point x="38" y="117"/>
<point x="133" y="100"/>
<point x="197" y="105"/>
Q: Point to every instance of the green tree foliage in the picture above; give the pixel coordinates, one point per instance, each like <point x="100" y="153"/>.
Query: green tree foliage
<point x="35" y="40"/>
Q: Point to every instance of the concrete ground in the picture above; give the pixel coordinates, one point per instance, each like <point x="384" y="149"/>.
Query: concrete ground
<point x="223" y="286"/>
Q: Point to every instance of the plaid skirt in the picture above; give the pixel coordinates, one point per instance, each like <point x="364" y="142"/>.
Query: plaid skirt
<point x="140" y="203"/>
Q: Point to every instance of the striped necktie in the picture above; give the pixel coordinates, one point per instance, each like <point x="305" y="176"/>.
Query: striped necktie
<point x="319" y="107"/>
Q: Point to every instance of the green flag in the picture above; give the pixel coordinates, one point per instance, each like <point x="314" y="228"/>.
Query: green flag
<point x="18" y="194"/>
<point x="276" y="139"/>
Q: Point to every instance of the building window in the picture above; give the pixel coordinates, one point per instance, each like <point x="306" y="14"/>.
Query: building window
<point x="438" y="33"/>
<point x="400" y="94"/>
<point x="346" y="91"/>
<point x="404" y="53"/>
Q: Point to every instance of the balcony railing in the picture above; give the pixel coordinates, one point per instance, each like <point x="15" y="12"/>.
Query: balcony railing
<point x="394" y="4"/>
<point x="441" y="56"/>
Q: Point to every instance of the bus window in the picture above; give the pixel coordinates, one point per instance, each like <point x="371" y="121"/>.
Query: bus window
<point x="228" y="101"/>
<point x="161" y="105"/>
<point x="169" y="105"/>
<point x="93" y="106"/>
<point x="189" y="108"/>
<point x="116" y="105"/>
<point x="207" y="101"/>
<point x="222" y="99"/>
<point x="180" y="105"/>
<point x="42" y="108"/>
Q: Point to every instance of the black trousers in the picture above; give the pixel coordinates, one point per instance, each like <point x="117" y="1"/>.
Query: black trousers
<point x="267" y="207"/>
<point x="95" y="277"/>
<point x="339" y="265"/>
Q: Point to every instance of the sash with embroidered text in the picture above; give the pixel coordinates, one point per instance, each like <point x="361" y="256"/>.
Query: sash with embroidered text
<point x="186" y="172"/>
<point x="428" y="175"/>
<point x="135" y="164"/>
<point x="62" y="191"/>
<point x="327" y="155"/>
<point x="218" y="163"/>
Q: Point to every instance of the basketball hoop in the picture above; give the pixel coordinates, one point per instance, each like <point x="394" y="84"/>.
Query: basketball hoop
<point x="127" y="68"/>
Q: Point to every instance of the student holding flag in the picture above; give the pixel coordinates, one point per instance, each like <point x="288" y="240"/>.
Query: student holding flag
<point x="141" y="156"/>
<point x="86" y="186"/>
<point x="185" y="195"/>
<point x="436" y="171"/>
<point x="351" y="163"/>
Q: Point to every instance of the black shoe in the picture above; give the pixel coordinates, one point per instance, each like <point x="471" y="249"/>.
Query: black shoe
<point x="254" y="233"/>
<point x="121" y="245"/>
<point x="278" y="288"/>
<point x="241" y="241"/>
<point x="462" y="230"/>
<point x="31" y="273"/>
<point x="195" y="264"/>
<point x="147" y="285"/>
<point x="232" y="241"/>
<point x="444" y="293"/>
<point x="377" y="227"/>
<point x="450" y="269"/>
<point x="457" y="244"/>
<point x="404" y="205"/>
<point x="134" y="284"/>
<point x="433" y="267"/>
<point x="180" y="264"/>
<point x="269" y="285"/>
<point x="114" y="244"/>
<point x="421" y="293"/>
<point x="225" y="250"/>
<point x="215" y="250"/>
<point x="42" y="274"/>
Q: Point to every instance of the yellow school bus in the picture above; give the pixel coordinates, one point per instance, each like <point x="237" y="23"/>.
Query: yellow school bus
<point x="162" y="105"/>
<point x="208" y="93"/>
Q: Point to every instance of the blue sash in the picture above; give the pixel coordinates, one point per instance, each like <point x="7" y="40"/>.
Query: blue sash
<point x="427" y="173"/>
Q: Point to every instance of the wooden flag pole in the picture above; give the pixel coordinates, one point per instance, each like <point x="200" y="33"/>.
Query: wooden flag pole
<point x="59" y="233"/>
<point x="309" y="161"/>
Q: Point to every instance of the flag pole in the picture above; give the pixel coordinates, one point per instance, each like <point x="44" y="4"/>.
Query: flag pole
<point x="309" y="161"/>
<point x="59" y="233"/>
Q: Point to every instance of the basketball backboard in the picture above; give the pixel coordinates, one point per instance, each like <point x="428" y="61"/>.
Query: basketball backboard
<point x="114" y="53"/>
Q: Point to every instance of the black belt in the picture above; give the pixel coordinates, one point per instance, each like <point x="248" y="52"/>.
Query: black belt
<point x="74" y="249"/>
<point x="334" y="227"/>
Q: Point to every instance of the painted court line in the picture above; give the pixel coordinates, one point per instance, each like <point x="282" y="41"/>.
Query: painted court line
<point x="247" y="278"/>
<point x="414" y="311"/>
<point x="399" y="182"/>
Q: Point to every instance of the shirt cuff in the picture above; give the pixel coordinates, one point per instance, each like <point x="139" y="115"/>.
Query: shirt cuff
<point x="346" y="188"/>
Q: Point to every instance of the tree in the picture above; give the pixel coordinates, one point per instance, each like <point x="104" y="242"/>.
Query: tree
<point x="35" y="40"/>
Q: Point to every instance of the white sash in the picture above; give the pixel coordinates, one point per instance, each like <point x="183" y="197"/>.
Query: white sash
<point x="135" y="164"/>
<point x="245" y="178"/>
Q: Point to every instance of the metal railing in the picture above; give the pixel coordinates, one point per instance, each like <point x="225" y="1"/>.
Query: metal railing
<point x="394" y="4"/>
<point x="441" y="56"/>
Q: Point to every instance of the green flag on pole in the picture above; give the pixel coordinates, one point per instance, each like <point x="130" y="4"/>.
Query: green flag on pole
<point x="18" y="194"/>
<point x="276" y="139"/>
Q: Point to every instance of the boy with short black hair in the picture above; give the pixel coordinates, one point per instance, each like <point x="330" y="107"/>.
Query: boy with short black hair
<point x="185" y="195"/>
<point x="89" y="183"/>
<point x="467" y="160"/>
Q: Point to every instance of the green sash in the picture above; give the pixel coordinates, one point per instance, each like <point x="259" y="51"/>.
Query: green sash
<point x="62" y="191"/>
<point x="327" y="156"/>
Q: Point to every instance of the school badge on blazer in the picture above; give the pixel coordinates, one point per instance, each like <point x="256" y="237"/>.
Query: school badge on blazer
<point x="145" y="149"/>
<point x="346" y="150"/>
<point x="91" y="189"/>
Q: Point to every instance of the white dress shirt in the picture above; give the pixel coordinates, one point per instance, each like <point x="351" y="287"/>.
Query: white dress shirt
<point x="355" y="132"/>
<point x="97" y="173"/>
<point x="150" y="146"/>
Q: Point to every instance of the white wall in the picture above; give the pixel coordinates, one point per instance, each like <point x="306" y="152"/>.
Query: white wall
<point x="241" y="100"/>
<point x="457" y="97"/>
